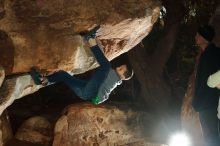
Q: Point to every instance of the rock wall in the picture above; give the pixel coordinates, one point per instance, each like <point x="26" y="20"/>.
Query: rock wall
<point x="36" y="130"/>
<point x="189" y="117"/>
<point x="5" y="129"/>
<point x="14" y="88"/>
<point x="83" y="124"/>
<point x="88" y="125"/>
<point x="2" y="75"/>
<point x="44" y="33"/>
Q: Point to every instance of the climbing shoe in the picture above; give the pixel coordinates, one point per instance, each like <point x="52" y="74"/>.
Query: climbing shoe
<point x="91" y="33"/>
<point x="36" y="76"/>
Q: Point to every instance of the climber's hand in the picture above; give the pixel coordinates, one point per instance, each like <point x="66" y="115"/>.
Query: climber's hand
<point x="92" y="42"/>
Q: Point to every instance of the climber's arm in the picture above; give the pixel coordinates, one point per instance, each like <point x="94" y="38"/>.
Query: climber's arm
<point x="102" y="60"/>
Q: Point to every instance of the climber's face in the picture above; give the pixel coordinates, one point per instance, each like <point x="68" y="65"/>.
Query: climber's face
<point x="218" y="86"/>
<point x="200" y="41"/>
<point x="121" y="71"/>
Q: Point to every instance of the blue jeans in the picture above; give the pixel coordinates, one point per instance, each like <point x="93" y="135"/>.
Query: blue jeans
<point x="85" y="89"/>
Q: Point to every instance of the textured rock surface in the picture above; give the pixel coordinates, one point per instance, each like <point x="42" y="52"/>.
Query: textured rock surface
<point x="88" y="125"/>
<point x="36" y="130"/>
<point x="43" y="33"/>
<point x="2" y="75"/>
<point x="190" y="118"/>
<point x="5" y="129"/>
<point x="14" y="88"/>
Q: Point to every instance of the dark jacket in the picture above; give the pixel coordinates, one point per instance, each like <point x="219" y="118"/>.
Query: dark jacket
<point x="209" y="63"/>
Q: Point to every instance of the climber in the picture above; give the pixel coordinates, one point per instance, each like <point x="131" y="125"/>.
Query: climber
<point x="98" y="88"/>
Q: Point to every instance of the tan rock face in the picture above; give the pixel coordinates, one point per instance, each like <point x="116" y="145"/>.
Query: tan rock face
<point x="36" y="130"/>
<point x="5" y="129"/>
<point x="2" y="75"/>
<point x="88" y="125"/>
<point x="43" y="33"/>
<point x="189" y="117"/>
<point x="15" y="88"/>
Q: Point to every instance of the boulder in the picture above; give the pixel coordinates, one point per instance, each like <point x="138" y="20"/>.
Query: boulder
<point x="5" y="129"/>
<point x="44" y="33"/>
<point x="36" y="130"/>
<point x="89" y="125"/>
<point x="14" y="88"/>
<point x="2" y="75"/>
